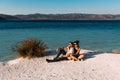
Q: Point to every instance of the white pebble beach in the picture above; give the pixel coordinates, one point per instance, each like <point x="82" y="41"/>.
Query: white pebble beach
<point x="95" y="66"/>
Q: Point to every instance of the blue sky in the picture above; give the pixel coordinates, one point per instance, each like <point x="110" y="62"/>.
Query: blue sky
<point x="59" y="6"/>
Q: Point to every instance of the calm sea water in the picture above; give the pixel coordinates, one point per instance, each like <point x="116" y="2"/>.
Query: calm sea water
<point x="93" y="35"/>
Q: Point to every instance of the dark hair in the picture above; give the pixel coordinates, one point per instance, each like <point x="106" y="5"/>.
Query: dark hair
<point x="77" y="41"/>
<point x="71" y="42"/>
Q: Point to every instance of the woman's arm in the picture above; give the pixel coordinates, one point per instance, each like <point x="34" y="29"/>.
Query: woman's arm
<point x="78" y="50"/>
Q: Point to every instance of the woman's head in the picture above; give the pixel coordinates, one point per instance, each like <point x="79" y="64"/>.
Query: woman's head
<point x="70" y="44"/>
<point x="76" y="43"/>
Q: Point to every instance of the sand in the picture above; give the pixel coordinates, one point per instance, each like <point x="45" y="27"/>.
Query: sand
<point x="96" y="66"/>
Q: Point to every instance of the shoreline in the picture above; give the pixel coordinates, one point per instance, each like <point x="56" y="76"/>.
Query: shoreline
<point x="96" y="66"/>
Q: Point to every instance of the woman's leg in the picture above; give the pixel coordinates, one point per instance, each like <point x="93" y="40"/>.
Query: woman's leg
<point x="73" y="57"/>
<point x="66" y="55"/>
<point x="81" y="56"/>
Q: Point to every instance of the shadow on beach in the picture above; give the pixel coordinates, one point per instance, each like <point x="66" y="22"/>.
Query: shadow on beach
<point x="51" y="52"/>
<point x="91" y="55"/>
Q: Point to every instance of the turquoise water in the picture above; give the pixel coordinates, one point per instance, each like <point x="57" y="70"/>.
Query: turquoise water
<point x="93" y="35"/>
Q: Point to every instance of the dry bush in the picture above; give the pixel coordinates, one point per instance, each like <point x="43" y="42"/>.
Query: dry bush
<point x="30" y="48"/>
<point x="117" y="51"/>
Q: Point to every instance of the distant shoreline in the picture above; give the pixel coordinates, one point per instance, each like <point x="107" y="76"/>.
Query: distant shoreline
<point x="57" y="20"/>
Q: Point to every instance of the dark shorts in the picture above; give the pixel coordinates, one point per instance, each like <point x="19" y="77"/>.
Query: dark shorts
<point x="76" y="55"/>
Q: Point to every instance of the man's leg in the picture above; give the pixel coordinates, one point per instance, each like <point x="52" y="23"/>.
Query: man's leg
<point x="59" y="53"/>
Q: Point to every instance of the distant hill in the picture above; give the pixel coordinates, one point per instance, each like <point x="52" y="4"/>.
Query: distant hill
<point x="72" y="16"/>
<point x="1" y="18"/>
<point x="8" y="17"/>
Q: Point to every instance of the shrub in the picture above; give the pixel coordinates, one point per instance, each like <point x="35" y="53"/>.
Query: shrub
<point x="117" y="51"/>
<point x="30" y="48"/>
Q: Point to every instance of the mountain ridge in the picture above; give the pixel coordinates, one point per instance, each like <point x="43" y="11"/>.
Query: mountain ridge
<point x="69" y="16"/>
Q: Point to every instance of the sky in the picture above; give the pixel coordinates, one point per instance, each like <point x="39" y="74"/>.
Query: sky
<point x="59" y="6"/>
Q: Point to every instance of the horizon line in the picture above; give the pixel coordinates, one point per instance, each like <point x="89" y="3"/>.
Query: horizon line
<point x="60" y="13"/>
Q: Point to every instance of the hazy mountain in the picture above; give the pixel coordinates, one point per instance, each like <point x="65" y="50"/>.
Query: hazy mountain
<point x="8" y="17"/>
<point x="60" y="17"/>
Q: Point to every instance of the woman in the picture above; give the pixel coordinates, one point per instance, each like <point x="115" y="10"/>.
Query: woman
<point x="70" y="50"/>
<point x="63" y="52"/>
<point x="77" y="56"/>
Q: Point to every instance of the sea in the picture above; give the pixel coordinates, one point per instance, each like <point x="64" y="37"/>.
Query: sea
<point x="103" y="36"/>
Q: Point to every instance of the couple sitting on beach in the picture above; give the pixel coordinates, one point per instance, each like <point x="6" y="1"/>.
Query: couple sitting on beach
<point x="72" y="52"/>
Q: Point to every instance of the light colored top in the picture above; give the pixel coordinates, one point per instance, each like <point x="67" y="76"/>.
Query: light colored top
<point x="71" y="50"/>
